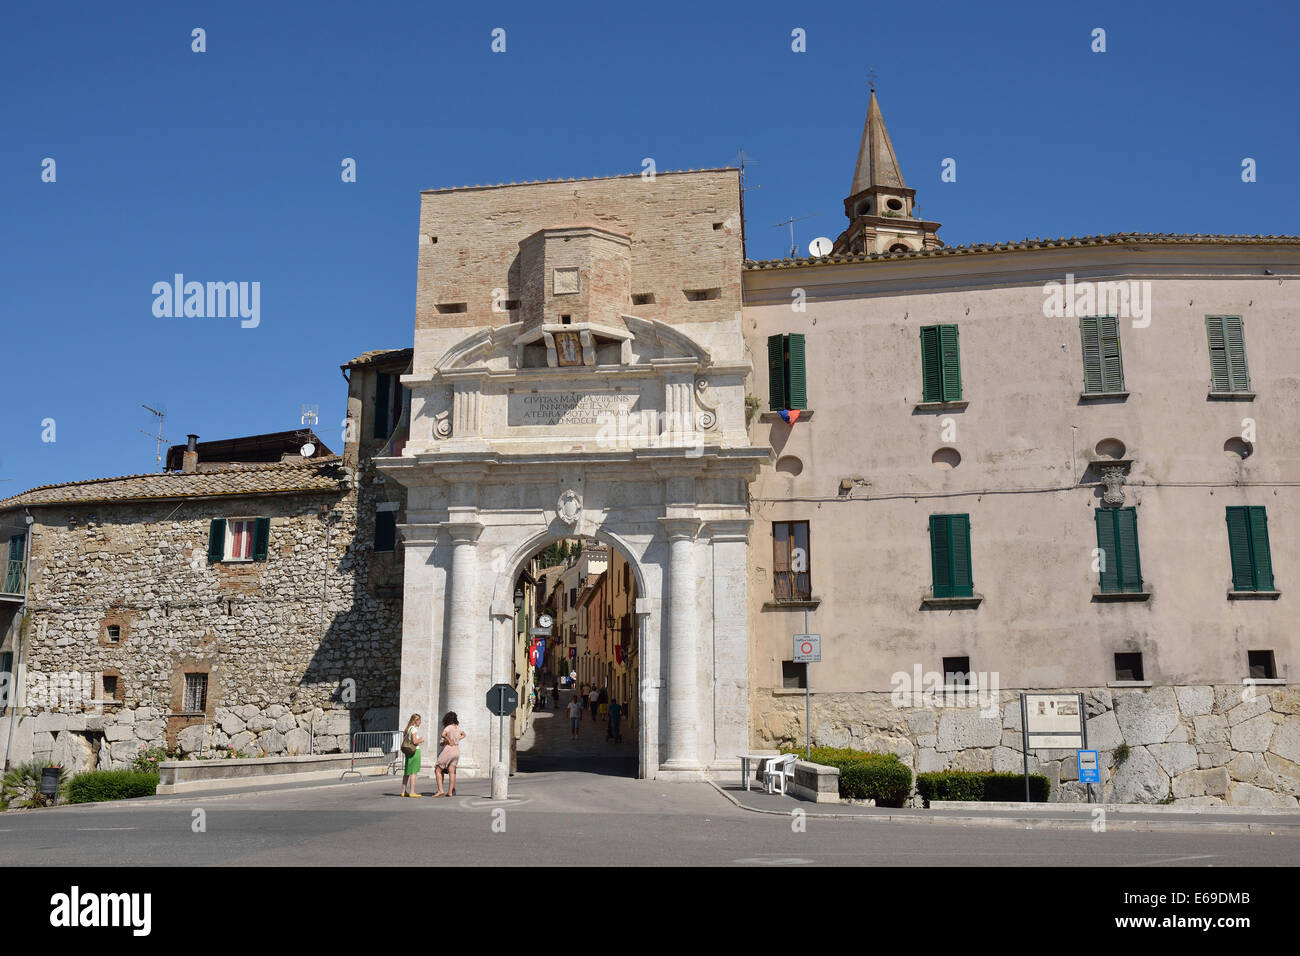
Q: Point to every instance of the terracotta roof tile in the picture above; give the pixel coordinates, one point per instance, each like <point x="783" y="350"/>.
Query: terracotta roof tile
<point x="317" y="474"/>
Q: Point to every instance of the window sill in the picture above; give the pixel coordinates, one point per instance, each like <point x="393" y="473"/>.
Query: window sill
<point x="940" y="406"/>
<point x="810" y="605"/>
<point x="1110" y="596"/>
<point x="1230" y="397"/>
<point x="1129" y="683"/>
<point x="788" y="691"/>
<point x="929" y="600"/>
<point x="1102" y="396"/>
<point x="1269" y="681"/>
<point x="1254" y="595"/>
<point x="805" y="414"/>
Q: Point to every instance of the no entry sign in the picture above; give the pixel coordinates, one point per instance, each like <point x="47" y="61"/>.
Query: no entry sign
<point x="807" y="648"/>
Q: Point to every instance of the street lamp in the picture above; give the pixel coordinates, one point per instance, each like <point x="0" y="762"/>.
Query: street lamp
<point x="519" y="598"/>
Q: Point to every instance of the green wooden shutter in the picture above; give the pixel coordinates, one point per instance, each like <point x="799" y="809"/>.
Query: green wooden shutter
<point x="1239" y="550"/>
<point x="261" y="537"/>
<point x="1091" y="336"/>
<point x="1109" y="552"/>
<point x="931" y="365"/>
<point x="962" y="583"/>
<point x="1220" y="379"/>
<point x="776" y="372"/>
<point x="381" y="406"/>
<point x="1260" y="558"/>
<point x="1112" y="364"/>
<point x="1126" y="541"/>
<point x="940" y="556"/>
<point x="951" y="363"/>
<point x="1234" y="342"/>
<point x="216" y="540"/>
<point x="797" y="390"/>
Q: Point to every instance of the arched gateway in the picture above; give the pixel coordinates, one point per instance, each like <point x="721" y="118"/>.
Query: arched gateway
<point x="542" y="407"/>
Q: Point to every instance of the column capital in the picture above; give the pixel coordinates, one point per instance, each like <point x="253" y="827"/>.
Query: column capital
<point x="419" y="535"/>
<point x="679" y="529"/>
<point x="728" y="529"/>
<point x="463" y="532"/>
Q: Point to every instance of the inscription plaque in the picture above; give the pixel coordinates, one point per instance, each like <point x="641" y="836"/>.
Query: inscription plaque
<point x="569" y="408"/>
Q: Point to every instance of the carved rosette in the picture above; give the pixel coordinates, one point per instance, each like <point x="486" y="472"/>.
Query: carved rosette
<point x="1113" y="480"/>
<point x="442" y="425"/>
<point x="569" y="508"/>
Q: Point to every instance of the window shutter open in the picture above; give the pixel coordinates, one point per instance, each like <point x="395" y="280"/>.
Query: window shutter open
<point x="931" y="365"/>
<point x="951" y="363"/>
<point x="216" y="540"/>
<point x="261" y="537"/>
<point x="962" y="583"/>
<point x="381" y="406"/>
<point x="1234" y="342"/>
<point x="1126" y="542"/>
<point x="1220" y="380"/>
<point x="1239" y="550"/>
<point x="776" y="372"/>
<point x="798" y="388"/>
<point x="1259" y="553"/>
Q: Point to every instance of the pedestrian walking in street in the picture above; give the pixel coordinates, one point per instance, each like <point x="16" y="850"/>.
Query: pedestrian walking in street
<point x="451" y="737"/>
<point x="592" y="699"/>
<point x="411" y="741"/>
<point x="575" y="716"/>
<point x="612" y="730"/>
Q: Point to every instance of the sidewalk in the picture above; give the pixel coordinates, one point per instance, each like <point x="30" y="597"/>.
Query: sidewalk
<point x="1041" y="816"/>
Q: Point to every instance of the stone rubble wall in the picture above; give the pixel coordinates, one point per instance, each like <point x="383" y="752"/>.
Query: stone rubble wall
<point x="1195" y="745"/>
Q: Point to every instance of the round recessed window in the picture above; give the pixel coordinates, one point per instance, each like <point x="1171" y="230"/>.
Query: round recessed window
<point x="789" y="465"/>
<point x="895" y="204"/>
<point x="1239" y="447"/>
<point x="1110" y="448"/>
<point x="946" y="459"/>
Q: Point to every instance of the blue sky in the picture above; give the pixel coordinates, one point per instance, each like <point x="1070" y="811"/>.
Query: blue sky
<point x="225" y="165"/>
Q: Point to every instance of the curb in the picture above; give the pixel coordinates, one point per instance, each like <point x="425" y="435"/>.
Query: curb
<point x="951" y="818"/>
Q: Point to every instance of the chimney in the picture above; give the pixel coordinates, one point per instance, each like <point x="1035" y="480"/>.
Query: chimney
<point x="190" y="460"/>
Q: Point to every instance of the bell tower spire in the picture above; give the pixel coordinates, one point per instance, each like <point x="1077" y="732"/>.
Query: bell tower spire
<point x="881" y="209"/>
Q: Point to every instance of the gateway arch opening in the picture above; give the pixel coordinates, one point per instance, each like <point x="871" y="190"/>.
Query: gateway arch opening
<point x="577" y="660"/>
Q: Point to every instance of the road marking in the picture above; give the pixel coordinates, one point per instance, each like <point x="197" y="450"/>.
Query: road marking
<point x="88" y="829"/>
<point x="775" y="861"/>
<point x="1176" y="859"/>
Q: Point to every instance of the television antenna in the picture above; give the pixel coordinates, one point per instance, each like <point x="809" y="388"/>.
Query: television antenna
<point x="794" y="248"/>
<point x="159" y="437"/>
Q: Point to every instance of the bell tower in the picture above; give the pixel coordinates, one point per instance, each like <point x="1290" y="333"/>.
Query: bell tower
<point x="881" y="209"/>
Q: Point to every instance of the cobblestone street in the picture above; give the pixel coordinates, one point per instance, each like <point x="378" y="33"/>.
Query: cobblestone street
<point x="547" y="745"/>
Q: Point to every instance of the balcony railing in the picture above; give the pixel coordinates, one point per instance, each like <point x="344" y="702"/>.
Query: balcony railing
<point x="13" y="582"/>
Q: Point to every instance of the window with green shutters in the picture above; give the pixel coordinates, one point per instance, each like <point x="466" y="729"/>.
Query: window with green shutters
<point x="1227" y="340"/>
<point x="1117" y="539"/>
<point x="787" y="376"/>
<point x="950" y="555"/>
<point x="238" y="539"/>
<point x="1252" y="565"/>
<point x="1103" y="366"/>
<point x="940" y="364"/>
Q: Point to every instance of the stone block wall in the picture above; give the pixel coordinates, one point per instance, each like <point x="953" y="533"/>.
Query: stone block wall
<point x="1189" y="745"/>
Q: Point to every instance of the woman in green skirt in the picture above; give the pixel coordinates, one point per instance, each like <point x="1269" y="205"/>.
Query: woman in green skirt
<point x="412" y="737"/>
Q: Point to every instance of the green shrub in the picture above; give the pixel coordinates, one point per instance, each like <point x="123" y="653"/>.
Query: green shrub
<point x="21" y="786"/>
<point x="865" y="775"/>
<point x="147" y="760"/>
<point x="97" y="785"/>
<point x="986" y="787"/>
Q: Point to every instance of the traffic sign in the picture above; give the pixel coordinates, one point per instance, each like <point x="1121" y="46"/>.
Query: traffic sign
<point x="502" y="700"/>
<point x="807" y="648"/>
<point x="1089" y="772"/>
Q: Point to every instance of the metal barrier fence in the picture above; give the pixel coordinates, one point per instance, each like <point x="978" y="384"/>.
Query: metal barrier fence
<point x="370" y="743"/>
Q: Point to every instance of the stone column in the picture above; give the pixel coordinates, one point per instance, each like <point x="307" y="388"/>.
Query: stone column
<point x="463" y="627"/>
<point x="683" y="641"/>
<point x="421" y="640"/>
<point x="730" y="544"/>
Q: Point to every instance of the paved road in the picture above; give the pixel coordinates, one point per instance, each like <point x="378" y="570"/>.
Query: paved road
<point x="548" y="745"/>
<point x="583" y="817"/>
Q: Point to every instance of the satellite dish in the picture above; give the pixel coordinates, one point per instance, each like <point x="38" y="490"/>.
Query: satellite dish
<point x="819" y="247"/>
<point x="307" y="450"/>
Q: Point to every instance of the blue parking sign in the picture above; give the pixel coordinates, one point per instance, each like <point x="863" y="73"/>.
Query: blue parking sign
<point x="1089" y="771"/>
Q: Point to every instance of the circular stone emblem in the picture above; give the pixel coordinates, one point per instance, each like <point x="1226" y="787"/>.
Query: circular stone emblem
<point x="569" y="507"/>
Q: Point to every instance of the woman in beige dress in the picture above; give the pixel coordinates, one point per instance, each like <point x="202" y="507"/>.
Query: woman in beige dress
<point x="451" y="737"/>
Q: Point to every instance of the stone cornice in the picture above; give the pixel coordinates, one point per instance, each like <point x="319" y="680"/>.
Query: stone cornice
<point x="679" y="529"/>
<point x="463" y="532"/>
<point x="728" y="529"/>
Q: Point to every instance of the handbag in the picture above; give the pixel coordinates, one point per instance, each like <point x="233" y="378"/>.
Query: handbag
<point x="408" y="745"/>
